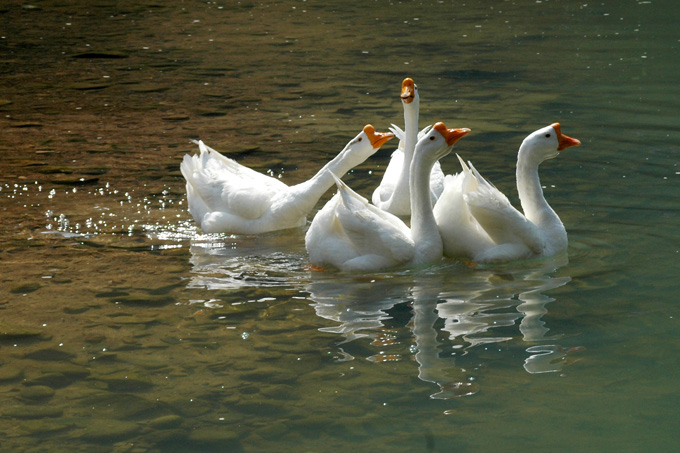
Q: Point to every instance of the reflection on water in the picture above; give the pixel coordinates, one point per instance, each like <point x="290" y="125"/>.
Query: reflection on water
<point x="432" y="367"/>
<point x="358" y="306"/>
<point x="469" y="312"/>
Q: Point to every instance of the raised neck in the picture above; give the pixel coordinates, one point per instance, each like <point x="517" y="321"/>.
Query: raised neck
<point x="411" y="113"/>
<point x="305" y="195"/>
<point x="424" y="231"/>
<point x="530" y="192"/>
<point x="400" y="200"/>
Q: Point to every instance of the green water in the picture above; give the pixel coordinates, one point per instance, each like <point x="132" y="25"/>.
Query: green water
<point x="124" y="328"/>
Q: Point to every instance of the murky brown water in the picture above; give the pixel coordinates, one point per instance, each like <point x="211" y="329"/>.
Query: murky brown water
<point x="124" y="328"/>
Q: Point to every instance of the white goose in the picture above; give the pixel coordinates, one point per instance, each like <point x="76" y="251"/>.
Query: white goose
<point x="226" y="197"/>
<point x="476" y="220"/>
<point x="350" y="234"/>
<point x="392" y="195"/>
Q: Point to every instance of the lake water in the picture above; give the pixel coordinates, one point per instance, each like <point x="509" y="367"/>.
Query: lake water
<point x="124" y="328"/>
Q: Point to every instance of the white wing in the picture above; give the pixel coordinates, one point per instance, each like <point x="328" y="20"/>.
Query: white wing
<point x="350" y="234"/>
<point x="461" y="233"/>
<point x="217" y="183"/>
<point x="502" y="222"/>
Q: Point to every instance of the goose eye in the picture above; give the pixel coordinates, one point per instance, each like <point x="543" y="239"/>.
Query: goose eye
<point x="547" y="135"/>
<point x="431" y="137"/>
<point x="360" y="139"/>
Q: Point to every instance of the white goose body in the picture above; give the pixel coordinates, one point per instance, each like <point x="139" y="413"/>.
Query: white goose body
<point x="350" y="234"/>
<point x="476" y="221"/>
<point x="461" y="234"/>
<point x="393" y="193"/>
<point x="227" y="197"/>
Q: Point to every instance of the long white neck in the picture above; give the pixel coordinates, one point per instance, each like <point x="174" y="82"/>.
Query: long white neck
<point x="401" y="194"/>
<point x="534" y="204"/>
<point x="411" y="113"/>
<point x="424" y="231"/>
<point x="305" y="195"/>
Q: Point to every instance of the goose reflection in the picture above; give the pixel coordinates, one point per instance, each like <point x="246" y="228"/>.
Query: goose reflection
<point x="446" y="313"/>
<point x="361" y="308"/>
<point x="433" y="365"/>
<point x="545" y="358"/>
<point x="471" y="316"/>
<point x="453" y="312"/>
<point x="474" y="315"/>
<point x="358" y="305"/>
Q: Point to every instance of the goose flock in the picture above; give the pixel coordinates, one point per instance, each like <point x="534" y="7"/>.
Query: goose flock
<point x="461" y="216"/>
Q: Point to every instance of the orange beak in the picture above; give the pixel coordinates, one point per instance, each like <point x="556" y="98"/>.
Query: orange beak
<point x="451" y="135"/>
<point x="408" y="90"/>
<point x="377" y="139"/>
<point x="563" y="140"/>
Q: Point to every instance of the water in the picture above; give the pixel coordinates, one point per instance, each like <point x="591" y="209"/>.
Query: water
<point x="125" y="328"/>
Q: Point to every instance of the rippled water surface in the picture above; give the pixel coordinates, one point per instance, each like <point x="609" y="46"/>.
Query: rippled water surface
<point x="123" y="327"/>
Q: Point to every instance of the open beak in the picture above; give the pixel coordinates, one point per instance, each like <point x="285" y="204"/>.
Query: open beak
<point x="377" y="139"/>
<point x="564" y="141"/>
<point x="451" y="135"/>
<point x="408" y="90"/>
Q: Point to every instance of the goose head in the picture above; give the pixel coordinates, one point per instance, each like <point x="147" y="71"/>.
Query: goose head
<point x="546" y="143"/>
<point x="409" y="93"/>
<point x="368" y="141"/>
<point x="439" y="141"/>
